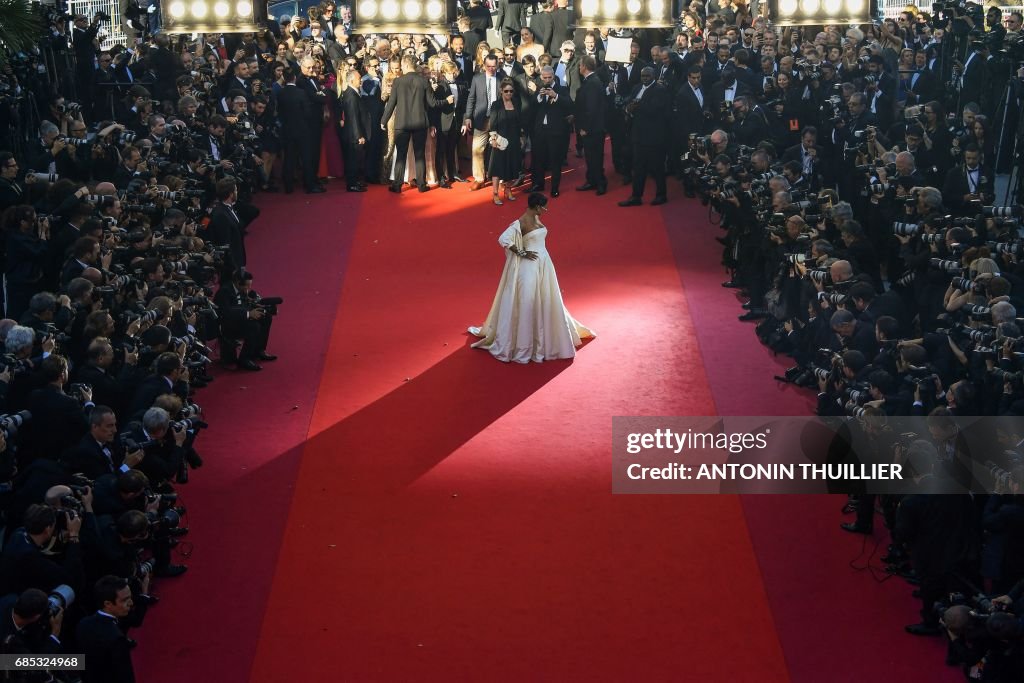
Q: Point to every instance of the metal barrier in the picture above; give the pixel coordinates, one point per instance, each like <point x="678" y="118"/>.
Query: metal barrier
<point x="113" y="28"/>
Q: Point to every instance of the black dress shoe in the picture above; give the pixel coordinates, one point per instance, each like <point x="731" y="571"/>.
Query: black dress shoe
<point x="316" y="190"/>
<point x="397" y="189"/>
<point x="659" y="200"/>
<point x="747" y="306"/>
<point x="171" y="570"/>
<point x="459" y="179"/>
<point x="721" y="240"/>
<point x="249" y="365"/>
<point x="356" y="188"/>
<point x="267" y="356"/>
<point x="732" y="285"/>
<point x="424" y="188"/>
<point x="193" y="459"/>
<point x="923" y="629"/>
<point x="632" y="201"/>
<point x="602" y="189"/>
<point x="536" y="188"/>
<point x="585" y="187"/>
<point x="445" y="184"/>
<point x="627" y="179"/>
<point x="753" y="314"/>
<point x="555" y="193"/>
<point x="855" y="528"/>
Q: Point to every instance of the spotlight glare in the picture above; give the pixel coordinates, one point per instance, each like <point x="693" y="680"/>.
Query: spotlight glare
<point x="633" y="6"/>
<point x="177" y="9"/>
<point x="435" y="9"/>
<point x="389" y="9"/>
<point x="588" y="8"/>
<point x="244" y="8"/>
<point x="855" y="7"/>
<point x="787" y="7"/>
<point x="611" y="7"/>
<point x="412" y="9"/>
<point x="367" y="9"/>
<point x="656" y="7"/>
<point x="199" y="9"/>
<point x="810" y="7"/>
<point x="221" y="10"/>
<point x="833" y="6"/>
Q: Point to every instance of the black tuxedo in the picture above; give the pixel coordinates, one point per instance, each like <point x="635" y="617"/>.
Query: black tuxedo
<point x="561" y="22"/>
<point x="226" y="228"/>
<point x="465" y="64"/>
<point x="150" y="389"/>
<point x="506" y="71"/>
<point x="295" y="108"/>
<point x="649" y="118"/>
<point x="410" y="100"/>
<point x="318" y="98"/>
<point x="236" y="325"/>
<point x="355" y="121"/>
<point x="93" y="459"/>
<point x="447" y="119"/>
<point x="58" y="421"/>
<point x="543" y="27"/>
<point x="107" y="390"/>
<point x="688" y="118"/>
<point x="12" y="193"/>
<point x="591" y="118"/>
<point x="107" y="650"/>
<point x="673" y="74"/>
<point x="550" y="137"/>
<point x="510" y="19"/>
<point x="337" y="52"/>
<point x="959" y="184"/>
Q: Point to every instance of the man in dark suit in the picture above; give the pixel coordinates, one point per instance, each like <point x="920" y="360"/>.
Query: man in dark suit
<point x="83" y="34"/>
<point x="226" y="227"/>
<point x="241" y="321"/>
<point x="11" y="191"/>
<point x="58" y="420"/>
<point x="623" y="79"/>
<point x="102" y="641"/>
<point x="295" y="109"/>
<point x="808" y="153"/>
<point x="590" y="121"/>
<point x="483" y="91"/>
<point x="99" y="452"/>
<point x="449" y="122"/>
<point x="23" y="620"/>
<point x="550" y="131"/>
<point x="168" y="379"/>
<point x="561" y="28"/>
<point x="463" y="59"/>
<point x="108" y="390"/>
<point x="968" y="184"/>
<point x="411" y="97"/>
<point x="975" y="76"/>
<point x="311" y="84"/>
<point x="353" y="137"/>
<point x="689" y="115"/>
<point x="542" y="25"/>
<point x="510" y="18"/>
<point x="648" y="108"/>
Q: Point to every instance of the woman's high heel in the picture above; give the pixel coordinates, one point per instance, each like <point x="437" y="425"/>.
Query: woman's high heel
<point x="497" y="202"/>
<point x="509" y="197"/>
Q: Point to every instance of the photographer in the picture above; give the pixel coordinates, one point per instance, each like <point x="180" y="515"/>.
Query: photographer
<point x="100" y="452"/>
<point x="245" y="318"/>
<point x="59" y="420"/>
<point x="28" y="559"/>
<point x="28" y="624"/>
<point x="105" y="646"/>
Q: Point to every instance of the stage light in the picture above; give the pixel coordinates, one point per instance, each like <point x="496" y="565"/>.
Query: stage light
<point x="819" y="12"/>
<point x="213" y="16"/>
<point x="623" y="13"/>
<point x="404" y="16"/>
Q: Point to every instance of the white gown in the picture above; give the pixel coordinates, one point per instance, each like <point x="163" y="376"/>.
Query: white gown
<point x="528" y="321"/>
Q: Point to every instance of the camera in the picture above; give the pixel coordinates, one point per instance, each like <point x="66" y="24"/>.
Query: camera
<point x="11" y="423"/>
<point x="60" y="598"/>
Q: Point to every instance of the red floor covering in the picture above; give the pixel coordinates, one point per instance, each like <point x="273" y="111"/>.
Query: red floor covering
<point x="384" y="503"/>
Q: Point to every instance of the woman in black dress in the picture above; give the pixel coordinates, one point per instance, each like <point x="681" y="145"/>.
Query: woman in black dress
<point x="503" y="124"/>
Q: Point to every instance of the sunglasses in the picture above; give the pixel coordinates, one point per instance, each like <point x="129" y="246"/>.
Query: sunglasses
<point x="508" y="91"/>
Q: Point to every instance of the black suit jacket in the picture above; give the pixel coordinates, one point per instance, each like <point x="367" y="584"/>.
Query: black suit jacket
<point x="956" y="186"/>
<point x="89" y="459"/>
<point x="58" y="421"/>
<point x="226" y="229"/>
<point x="147" y="393"/>
<point x="550" y="117"/>
<point x="561" y="23"/>
<point x="477" y="106"/>
<point x="591" y="106"/>
<point x="352" y="110"/>
<point x="649" y="115"/>
<point x="543" y="27"/>
<point x="317" y="98"/>
<point x="410" y="99"/>
<point x="688" y="114"/>
<point x="294" y="108"/>
<point x="106" y="649"/>
<point x="107" y="390"/>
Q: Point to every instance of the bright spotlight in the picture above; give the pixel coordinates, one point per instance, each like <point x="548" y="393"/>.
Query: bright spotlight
<point x="199" y="9"/>
<point x="412" y="9"/>
<point x="177" y="9"/>
<point x="623" y="13"/>
<point x="832" y="7"/>
<point x="435" y="10"/>
<point x="818" y="12"/>
<point x="221" y="9"/>
<point x="389" y="9"/>
<point x="633" y="6"/>
<point x="810" y="7"/>
<point x="244" y="8"/>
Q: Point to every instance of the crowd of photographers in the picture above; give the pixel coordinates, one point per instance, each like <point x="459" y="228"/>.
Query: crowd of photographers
<point x="124" y="215"/>
<point x="854" y="181"/>
<point x="852" y="170"/>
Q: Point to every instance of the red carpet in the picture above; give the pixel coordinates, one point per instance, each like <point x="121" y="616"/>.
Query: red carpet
<point x="384" y="503"/>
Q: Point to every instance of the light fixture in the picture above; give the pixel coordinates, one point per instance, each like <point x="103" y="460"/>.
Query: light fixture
<point x="819" y="12"/>
<point x="404" y="16"/>
<point x="623" y="13"/>
<point x="213" y="16"/>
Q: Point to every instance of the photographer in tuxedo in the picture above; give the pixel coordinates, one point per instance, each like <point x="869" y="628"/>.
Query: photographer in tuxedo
<point x="411" y="97"/>
<point x="550" y="137"/>
<point x="591" y="108"/>
<point x="648" y="109"/>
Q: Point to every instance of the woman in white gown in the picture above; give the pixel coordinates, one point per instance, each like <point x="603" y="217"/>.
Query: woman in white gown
<point x="528" y="321"/>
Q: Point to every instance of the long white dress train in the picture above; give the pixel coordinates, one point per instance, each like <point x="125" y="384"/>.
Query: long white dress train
<point x="528" y="320"/>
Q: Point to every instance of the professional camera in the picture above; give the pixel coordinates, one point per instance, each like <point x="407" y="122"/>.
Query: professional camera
<point x="60" y="598"/>
<point x="11" y="423"/>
